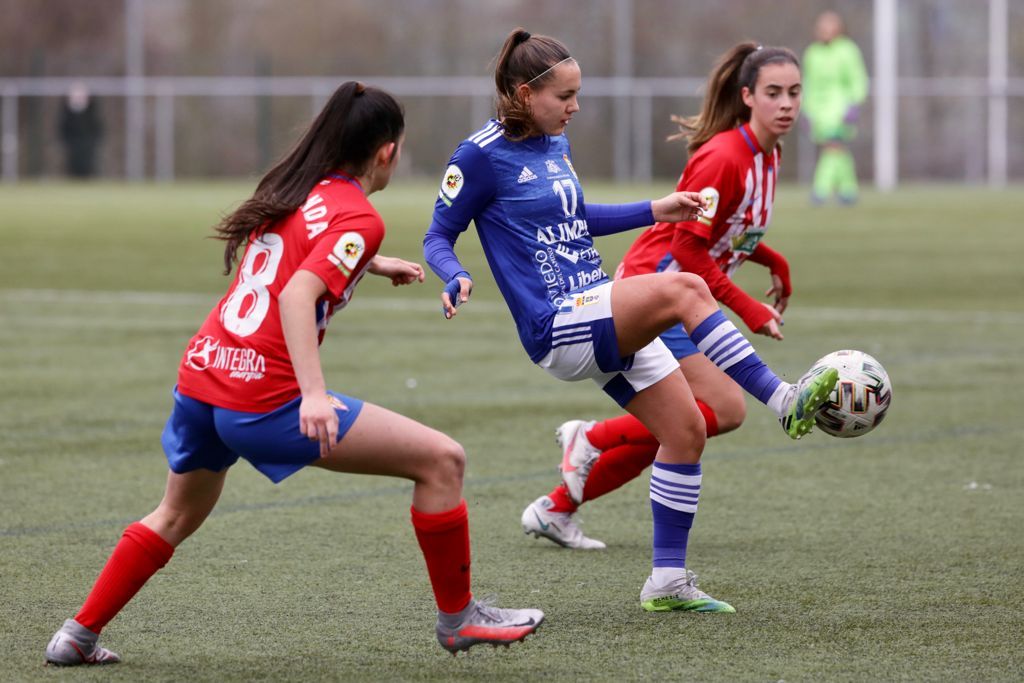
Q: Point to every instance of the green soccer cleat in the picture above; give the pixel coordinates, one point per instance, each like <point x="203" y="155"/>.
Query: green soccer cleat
<point x="680" y="594"/>
<point x="809" y="395"/>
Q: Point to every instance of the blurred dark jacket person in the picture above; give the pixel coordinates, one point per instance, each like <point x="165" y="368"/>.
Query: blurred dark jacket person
<point x="81" y="129"/>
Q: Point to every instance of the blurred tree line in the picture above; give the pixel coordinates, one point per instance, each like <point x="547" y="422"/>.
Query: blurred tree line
<point x="214" y="136"/>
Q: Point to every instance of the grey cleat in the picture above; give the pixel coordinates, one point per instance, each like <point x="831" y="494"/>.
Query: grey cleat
<point x="483" y="623"/>
<point x="560" y="527"/>
<point x="74" y="645"/>
<point x="578" y="456"/>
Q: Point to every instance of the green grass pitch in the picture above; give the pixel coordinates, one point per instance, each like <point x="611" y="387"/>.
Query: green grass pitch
<point x="896" y="556"/>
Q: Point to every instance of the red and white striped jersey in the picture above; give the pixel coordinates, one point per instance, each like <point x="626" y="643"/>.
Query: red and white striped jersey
<point x="737" y="179"/>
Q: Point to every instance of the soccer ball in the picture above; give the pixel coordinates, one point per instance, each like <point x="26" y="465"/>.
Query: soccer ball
<point x="861" y="397"/>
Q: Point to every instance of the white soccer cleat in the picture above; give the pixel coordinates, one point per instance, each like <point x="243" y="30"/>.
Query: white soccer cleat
<point x="74" y="645"/>
<point x="539" y="520"/>
<point x="578" y="456"/>
<point x="681" y="593"/>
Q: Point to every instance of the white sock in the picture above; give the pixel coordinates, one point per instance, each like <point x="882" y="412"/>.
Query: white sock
<point x="662" y="576"/>
<point x="779" y="402"/>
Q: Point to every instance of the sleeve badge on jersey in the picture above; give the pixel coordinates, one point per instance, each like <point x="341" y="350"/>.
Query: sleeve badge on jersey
<point x="710" y="196"/>
<point x="565" y="158"/>
<point x="452" y="184"/>
<point x="347" y="251"/>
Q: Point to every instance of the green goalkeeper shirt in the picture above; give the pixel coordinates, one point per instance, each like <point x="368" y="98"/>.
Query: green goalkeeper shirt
<point x="834" y="80"/>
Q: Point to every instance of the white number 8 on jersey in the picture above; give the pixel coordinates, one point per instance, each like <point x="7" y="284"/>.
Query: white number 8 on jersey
<point x="245" y="309"/>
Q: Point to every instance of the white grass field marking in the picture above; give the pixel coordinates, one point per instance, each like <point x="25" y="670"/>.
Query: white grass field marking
<point x="406" y="304"/>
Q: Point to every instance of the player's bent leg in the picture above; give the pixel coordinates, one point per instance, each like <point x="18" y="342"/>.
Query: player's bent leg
<point x="143" y="550"/>
<point x="386" y="443"/>
<point x="644" y="306"/>
<point x="717" y="390"/>
<point x="188" y="500"/>
<point x="668" y="409"/>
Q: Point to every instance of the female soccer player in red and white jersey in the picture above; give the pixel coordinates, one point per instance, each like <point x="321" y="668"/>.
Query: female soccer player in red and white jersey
<point x="753" y="99"/>
<point x="250" y="383"/>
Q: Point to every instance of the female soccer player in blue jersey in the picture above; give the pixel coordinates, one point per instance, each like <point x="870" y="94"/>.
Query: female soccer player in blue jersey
<point x="514" y="178"/>
<point x="250" y="383"/>
<point x="752" y="99"/>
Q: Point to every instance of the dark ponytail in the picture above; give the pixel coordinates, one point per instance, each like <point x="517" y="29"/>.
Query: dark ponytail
<point x="523" y="58"/>
<point x="723" y="107"/>
<point x="353" y="125"/>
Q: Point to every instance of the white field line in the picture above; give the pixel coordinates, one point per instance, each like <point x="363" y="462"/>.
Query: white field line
<point x="141" y="298"/>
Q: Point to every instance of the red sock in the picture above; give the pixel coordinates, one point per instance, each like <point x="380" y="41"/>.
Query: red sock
<point x="710" y="419"/>
<point x="618" y="431"/>
<point x="138" y="555"/>
<point x="563" y="503"/>
<point x="616" y="466"/>
<point x="444" y="540"/>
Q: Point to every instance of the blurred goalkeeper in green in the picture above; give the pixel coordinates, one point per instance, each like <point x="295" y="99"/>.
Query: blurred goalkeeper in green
<point x="835" y="85"/>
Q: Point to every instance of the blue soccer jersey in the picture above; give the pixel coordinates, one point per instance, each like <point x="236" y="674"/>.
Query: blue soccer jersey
<point x="528" y="207"/>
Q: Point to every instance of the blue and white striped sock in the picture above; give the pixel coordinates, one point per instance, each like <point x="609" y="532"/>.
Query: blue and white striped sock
<point x="726" y="347"/>
<point x="674" y="493"/>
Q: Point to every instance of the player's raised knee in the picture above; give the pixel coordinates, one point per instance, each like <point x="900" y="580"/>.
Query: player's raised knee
<point x="449" y="460"/>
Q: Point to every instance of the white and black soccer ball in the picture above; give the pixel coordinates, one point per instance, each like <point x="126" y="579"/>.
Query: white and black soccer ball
<point x="861" y="397"/>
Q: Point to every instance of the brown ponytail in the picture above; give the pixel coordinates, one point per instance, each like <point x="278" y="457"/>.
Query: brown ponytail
<point x="523" y="58"/>
<point x="723" y="107"/>
<point x="353" y="125"/>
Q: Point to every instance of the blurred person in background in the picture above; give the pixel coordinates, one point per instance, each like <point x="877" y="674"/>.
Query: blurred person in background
<point x="514" y="179"/>
<point x="752" y="100"/>
<point x="80" y="130"/>
<point x="835" y="86"/>
<point x="251" y="385"/>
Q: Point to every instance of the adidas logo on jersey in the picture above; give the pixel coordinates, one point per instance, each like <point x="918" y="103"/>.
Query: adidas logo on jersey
<point x="526" y="176"/>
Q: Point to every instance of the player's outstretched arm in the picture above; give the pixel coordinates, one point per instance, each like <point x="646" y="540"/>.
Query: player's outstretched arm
<point x="678" y="206"/>
<point x="399" y="271"/>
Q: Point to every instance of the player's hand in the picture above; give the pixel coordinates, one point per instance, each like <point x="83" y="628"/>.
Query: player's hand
<point x="772" y="328"/>
<point x="455" y="293"/>
<point x="779" y="302"/>
<point x="678" y="206"/>
<point x="400" y="271"/>
<point x="319" y="422"/>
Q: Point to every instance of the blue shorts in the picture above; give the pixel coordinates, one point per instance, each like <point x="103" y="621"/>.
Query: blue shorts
<point x="202" y="436"/>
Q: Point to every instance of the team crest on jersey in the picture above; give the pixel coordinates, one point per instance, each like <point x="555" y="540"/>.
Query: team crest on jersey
<point x="347" y="252"/>
<point x="552" y="166"/>
<point x="526" y="175"/>
<point x="565" y="158"/>
<point x="710" y="196"/>
<point x="452" y="184"/>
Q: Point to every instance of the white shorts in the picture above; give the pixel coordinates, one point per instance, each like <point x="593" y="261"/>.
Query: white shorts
<point x="584" y="345"/>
